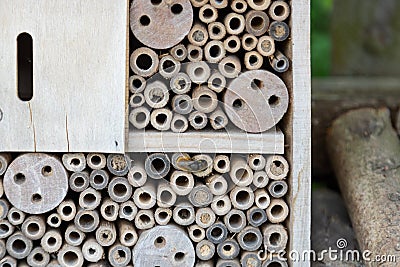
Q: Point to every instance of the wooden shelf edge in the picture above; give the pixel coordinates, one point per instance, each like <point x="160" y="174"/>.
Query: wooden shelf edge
<point x="233" y="141"/>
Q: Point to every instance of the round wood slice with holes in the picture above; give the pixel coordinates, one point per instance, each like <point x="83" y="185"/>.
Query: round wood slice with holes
<point x="36" y="183"/>
<point x="256" y="101"/>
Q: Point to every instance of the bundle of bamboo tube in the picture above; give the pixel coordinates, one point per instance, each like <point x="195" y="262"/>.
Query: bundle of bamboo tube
<point x="142" y="209"/>
<point x="194" y="63"/>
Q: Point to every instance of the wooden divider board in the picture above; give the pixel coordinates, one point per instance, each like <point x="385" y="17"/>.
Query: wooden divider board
<point x="79" y="76"/>
<point x="299" y="133"/>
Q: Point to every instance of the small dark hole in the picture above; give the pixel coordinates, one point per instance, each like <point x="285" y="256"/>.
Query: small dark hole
<point x="144" y="62"/>
<point x="137" y="84"/>
<point x="273" y="100"/>
<point x="208" y="13"/>
<point x="159" y="242"/>
<point x="67" y="210"/>
<point x="234" y="23"/>
<point x="279" y="10"/>
<point x="158" y="165"/>
<point x="36" y="198"/>
<point x="179" y="256"/>
<point x="19" y="178"/>
<point x="156" y="2"/>
<point x="253" y="60"/>
<point x="216" y="30"/>
<point x="239" y="6"/>
<point x="127" y="210"/>
<point x="184" y="214"/>
<point x="51" y="241"/>
<point x="276" y="210"/>
<point x="161" y="118"/>
<point x="257" y="84"/>
<point x="232" y="44"/>
<point x="198" y="120"/>
<point x="215" y="51"/>
<point x="144" y="20"/>
<point x="216" y="232"/>
<point x="75" y="162"/>
<point x="177" y="9"/>
<point x="275" y="238"/>
<point x="47" y="171"/>
<point x="257" y="23"/>
<point x="238" y="104"/>
<point x="196" y="233"/>
<point x="38" y="257"/>
<point x="194" y="53"/>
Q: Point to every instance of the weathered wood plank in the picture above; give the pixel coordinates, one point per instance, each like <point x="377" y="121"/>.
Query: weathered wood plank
<point x="79" y="76"/>
<point x="299" y="132"/>
<point x="234" y="141"/>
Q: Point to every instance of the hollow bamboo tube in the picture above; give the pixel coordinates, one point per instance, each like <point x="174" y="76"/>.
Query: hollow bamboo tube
<point x="257" y="22"/>
<point x="260" y="179"/>
<point x="250" y="238"/>
<point x="216" y="82"/>
<point x="195" y="53"/>
<point x="196" y="233"/>
<point x="198" y="35"/>
<point x="74" y="162"/>
<point x="19" y="246"/>
<point x="127" y="233"/>
<point x="198" y="120"/>
<point x="232" y="44"/>
<point x="150" y="55"/>
<point x="7" y="229"/>
<point x="234" y="23"/>
<point x="259" y="4"/>
<point x="277" y="167"/>
<point x="275" y="237"/>
<point x="38" y="257"/>
<point x="96" y="161"/>
<point x="182" y="182"/>
<point x="204" y="100"/>
<point x="52" y="241"/>
<point x="208" y="14"/>
<point x="228" y="250"/>
<point x="200" y="196"/>
<point x="92" y="251"/>
<point x="242" y="198"/>
<point x="136" y="84"/>
<point x="169" y="67"/>
<point x="163" y="216"/>
<point x="179" y="123"/>
<point x="118" y="164"/>
<point x="70" y="256"/>
<point x="217" y="185"/>
<point x="256" y="216"/>
<point x="184" y="214"/>
<point x="182" y="104"/>
<point x="261" y="198"/>
<point x="221" y="205"/>
<point x="5" y="159"/>
<point x="119" y="255"/>
<point x="222" y="164"/>
<point x="166" y="197"/>
<point x="279" y="10"/>
<point x="253" y="60"/>
<point x="145" y="197"/>
<point x="15" y="216"/>
<point x="87" y="220"/>
<point x="136" y="100"/>
<point x="127" y="210"/>
<point x="279" y="31"/>
<point x="205" y="217"/>
<point x="73" y="236"/>
<point x="137" y="175"/>
<point x="216" y="30"/>
<point x="239" y="6"/>
<point x="161" y="119"/>
<point x="34" y="227"/>
<point x="180" y="83"/>
<point x="250" y="259"/>
<point x="235" y="220"/>
<point x="214" y="51"/>
<point x="140" y="117"/>
<point x="119" y="189"/>
<point x="277" y="211"/>
<point x="89" y="199"/>
<point x="79" y="181"/>
<point x="240" y="173"/>
<point x="179" y="52"/>
<point x="109" y="209"/>
<point x="98" y="179"/>
<point x="106" y="233"/>
<point x="54" y="220"/>
<point x="144" y="219"/>
<point x="279" y="62"/>
<point x="230" y="67"/>
<point x="4" y="208"/>
<point x="249" y="42"/>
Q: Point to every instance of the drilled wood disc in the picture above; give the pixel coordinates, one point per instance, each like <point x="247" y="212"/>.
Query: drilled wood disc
<point x="36" y="183"/>
<point x="256" y="100"/>
<point x="161" y="24"/>
<point x="167" y="246"/>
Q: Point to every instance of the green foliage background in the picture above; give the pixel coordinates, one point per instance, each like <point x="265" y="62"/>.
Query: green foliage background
<point x="320" y="37"/>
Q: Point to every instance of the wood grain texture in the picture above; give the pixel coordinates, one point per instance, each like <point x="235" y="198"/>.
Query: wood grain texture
<point x="300" y="152"/>
<point x="336" y="95"/>
<point x="368" y="176"/>
<point x="79" y="76"/>
<point x="234" y="141"/>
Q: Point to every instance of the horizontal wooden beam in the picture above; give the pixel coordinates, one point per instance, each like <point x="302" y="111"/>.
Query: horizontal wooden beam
<point x="233" y="141"/>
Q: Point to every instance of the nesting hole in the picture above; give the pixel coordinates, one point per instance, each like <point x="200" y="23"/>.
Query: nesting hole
<point x="144" y="62"/>
<point x="275" y="239"/>
<point x="234" y="23"/>
<point x="47" y="171"/>
<point x="19" y="178"/>
<point x="161" y="118"/>
<point x="70" y="258"/>
<point x="176" y="9"/>
<point x="144" y="20"/>
<point x="257" y="22"/>
<point x="120" y="190"/>
<point x="158" y="165"/>
<point x="238" y="104"/>
<point x="180" y="256"/>
<point x="159" y="242"/>
<point x="36" y="198"/>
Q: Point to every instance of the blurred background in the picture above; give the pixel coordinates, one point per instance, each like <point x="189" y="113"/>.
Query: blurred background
<point x="355" y="47"/>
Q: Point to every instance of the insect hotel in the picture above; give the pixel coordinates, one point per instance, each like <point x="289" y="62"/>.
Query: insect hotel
<point x="154" y="133"/>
